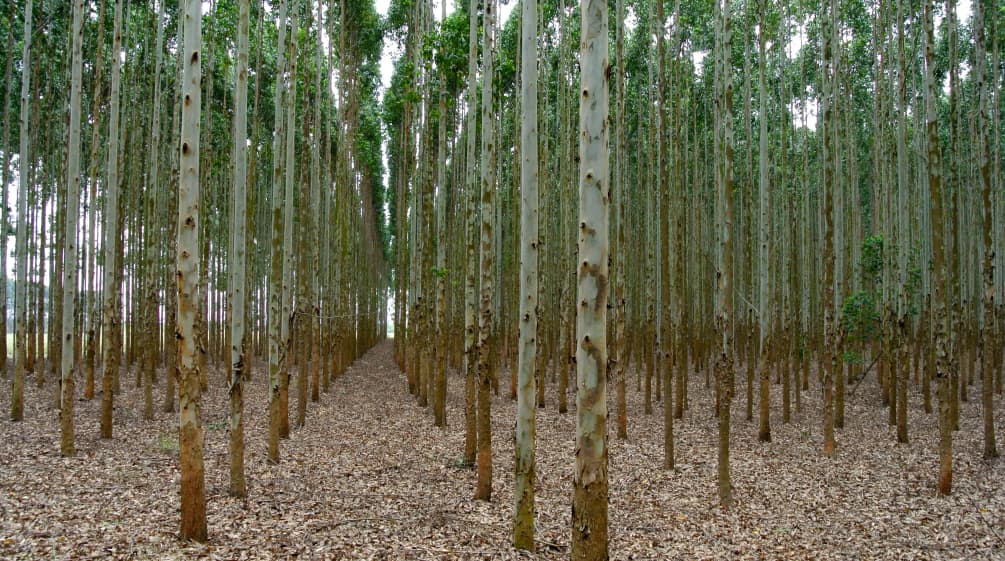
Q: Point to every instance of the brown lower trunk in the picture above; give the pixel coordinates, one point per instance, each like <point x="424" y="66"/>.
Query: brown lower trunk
<point x="893" y="383"/>
<point x="313" y="334"/>
<point x="303" y="366"/>
<point x="238" y="484"/>
<point x="724" y="386"/>
<point x="29" y="362"/>
<point x="619" y="382"/>
<point x="170" y="377"/>
<point x="929" y="374"/>
<point x="66" y="445"/>
<point x="806" y="370"/>
<point x="589" y="521"/>
<point x="751" y="365"/>
<point x="470" y="411"/>
<point x="89" y="365"/>
<point x="840" y="376"/>
<point x="275" y="428"/>
<point x="107" y="382"/>
<point x="648" y="394"/>
<point x="954" y="397"/>
<point x="284" y="403"/>
<point x="565" y="367"/>
<point x="902" y="394"/>
<point x="786" y="368"/>
<point x="147" y="367"/>
<point x="764" y="428"/>
<point x="828" y="365"/>
<point x="483" y="490"/>
<point x="668" y="451"/>
<point x="193" y="484"/>
<point x="987" y="395"/>
<point x="945" y="435"/>
<point x="422" y="368"/>
<point x="680" y="373"/>
<point x="326" y="367"/>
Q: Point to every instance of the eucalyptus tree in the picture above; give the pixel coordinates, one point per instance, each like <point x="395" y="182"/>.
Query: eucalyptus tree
<point x="171" y="370"/>
<point x="483" y="488"/>
<point x="190" y="441"/>
<point x="470" y="272"/>
<point x="724" y="217"/>
<point x="24" y="187"/>
<point x="620" y="208"/>
<point x="829" y="17"/>
<point x="91" y="302"/>
<point x="4" y="181"/>
<point x="590" y="488"/>
<point x="289" y="192"/>
<point x="524" y="465"/>
<point x="423" y="187"/>
<point x="763" y="226"/>
<point x="111" y="266"/>
<point x="153" y="222"/>
<point x="286" y="300"/>
<point x="663" y="196"/>
<point x="939" y="283"/>
<point x="238" y="260"/>
<point x="900" y="374"/>
<point x="314" y="282"/>
<point x="68" y="360"/>
<point x="440" y="348"/>
<point x="277" y="346"/>
<point x="984" y="163"/>
<point x="955" y="289"/>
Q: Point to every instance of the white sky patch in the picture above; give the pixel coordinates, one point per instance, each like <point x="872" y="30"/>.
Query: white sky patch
<point x="698" y="57"/>
<point x="805" y="117"/>
<point x="631" y="19"/>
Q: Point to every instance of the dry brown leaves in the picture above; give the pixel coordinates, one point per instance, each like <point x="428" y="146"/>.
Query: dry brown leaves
<point x="369" y="477"/>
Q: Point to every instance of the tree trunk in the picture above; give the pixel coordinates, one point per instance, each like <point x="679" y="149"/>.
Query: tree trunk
<point x="70" y="254"/>
<point x="523" y="518"/>
<point x="287" y="317"/>
<point x="663" y="310"/>
<point x="5" y="210"/>
<point x="487" y="264"/>
<point x="193" y="485"/>
<point x="984" y="163"/>
<point x="152" y="228"/>
<point x="763" y="226"/>
<point x="20" y="293"/>
<point x="724" y="274"/>
<point x="91" y="304"/>
<point x="620" y="192"/>
<point x="941" y="326"/>
<point x="238" y="485"/>
<point x="277" y="345"/>
<point x="901" y="373"/>
<point x="470" y="278"/>
<point x="829" y="362"/>
<point x="589" y="506"/>
<point x="111" y="312"/>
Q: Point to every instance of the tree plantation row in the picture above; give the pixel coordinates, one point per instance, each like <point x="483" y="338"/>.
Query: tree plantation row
<point x="636" y="192"/>
<point x="765" y="189"/>
<point x="180" y="232"/>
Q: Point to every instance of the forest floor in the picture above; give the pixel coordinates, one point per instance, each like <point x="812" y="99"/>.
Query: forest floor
<point x="369" y="477"/>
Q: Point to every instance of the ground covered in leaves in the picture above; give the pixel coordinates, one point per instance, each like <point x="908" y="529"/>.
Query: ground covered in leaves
<point x="369" y="477"/>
